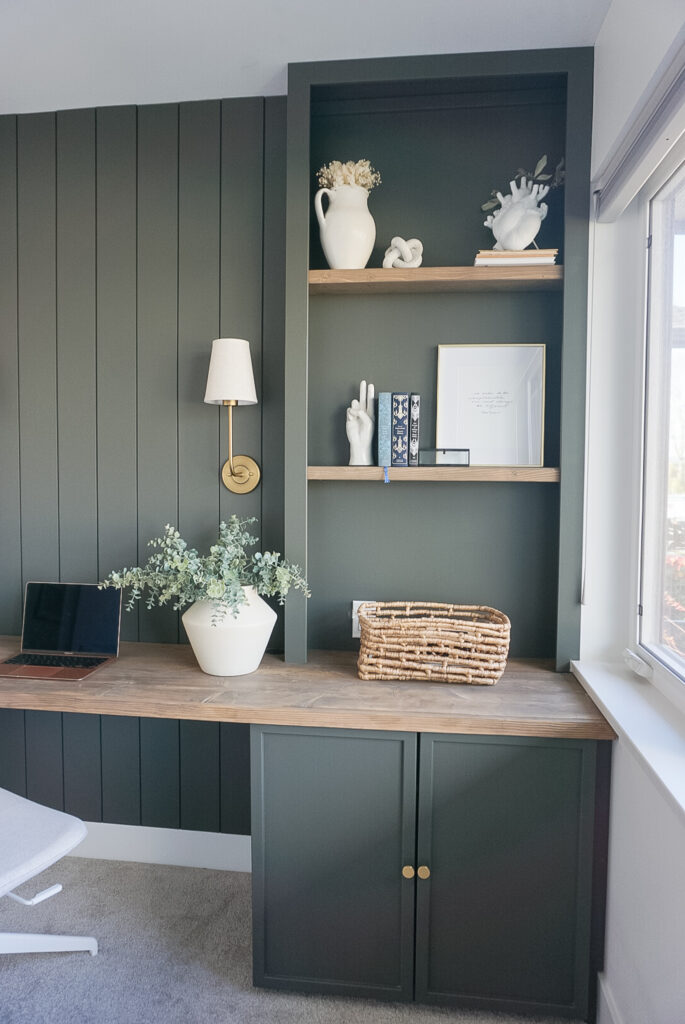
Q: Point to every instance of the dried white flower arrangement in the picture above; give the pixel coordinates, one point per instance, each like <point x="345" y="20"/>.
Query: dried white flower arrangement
<point x="335" y="174"/>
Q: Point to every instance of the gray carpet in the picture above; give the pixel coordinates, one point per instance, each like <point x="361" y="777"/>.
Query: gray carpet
<point x="174" y="949"/>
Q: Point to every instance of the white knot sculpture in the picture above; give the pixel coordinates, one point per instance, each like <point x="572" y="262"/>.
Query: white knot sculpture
<point x="518" y="220"/>
<point x="404" y="254"/>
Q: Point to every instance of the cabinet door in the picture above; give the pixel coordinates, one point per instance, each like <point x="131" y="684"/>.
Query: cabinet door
<point x="505" y="827"/>
<point x="334" y="819"/>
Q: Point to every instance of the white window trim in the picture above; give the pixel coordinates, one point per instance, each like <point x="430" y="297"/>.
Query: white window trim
<point x="670" y="684"/>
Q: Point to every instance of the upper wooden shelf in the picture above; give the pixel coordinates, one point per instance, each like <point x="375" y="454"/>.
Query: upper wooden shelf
<point x="488" y="474"/>
<point x="435" y="279"/>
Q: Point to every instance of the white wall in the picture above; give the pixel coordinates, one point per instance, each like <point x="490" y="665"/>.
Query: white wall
<point x="634" y="46"/>
<point x="82" y="53"/>
<point x="643" y="981"/>
<point x="617" y="253"/>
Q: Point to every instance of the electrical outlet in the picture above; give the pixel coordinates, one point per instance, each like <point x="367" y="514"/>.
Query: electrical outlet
<point x="355" y="618"/>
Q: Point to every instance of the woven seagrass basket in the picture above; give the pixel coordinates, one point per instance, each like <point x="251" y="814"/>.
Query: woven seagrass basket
<point x="448" y="643"/>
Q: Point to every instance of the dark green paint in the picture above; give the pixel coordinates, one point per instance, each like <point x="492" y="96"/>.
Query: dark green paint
<point x="120" y="769"/>
<point x="471" y="119"/>
<point x="505" y="825"/>
<point x="82" y="766"/>
<point x="199" y="197"/>
<point x="12" y="751"/>
<point x="470" y="544"/>
<point x="139" y="240"/>
<point x="273" y="342"/>
<point x="37" y="314"/>
<point x="10" y="520"/>
<point x="235" y="778"/>
<point x="160" y="800"/>
<point x="44" y="764"/>
<point x="76" y="346"/>
<point x="242" y="225"/>
<point x="200" y="776"/>
<point x="333" y="822"/>
<point x="158" y="380"/>
<point x="117" y="420"/>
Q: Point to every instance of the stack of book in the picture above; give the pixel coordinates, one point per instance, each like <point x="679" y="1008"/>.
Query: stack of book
<point x="398" y="428"/>
<point x="515" y="258"/>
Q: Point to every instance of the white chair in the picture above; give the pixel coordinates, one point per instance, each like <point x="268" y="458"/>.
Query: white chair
<point x="33" y="837"/>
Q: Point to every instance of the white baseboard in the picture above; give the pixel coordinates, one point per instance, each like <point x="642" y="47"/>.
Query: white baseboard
<point x="607" y="1010"/>
<point x="180" y="847"/>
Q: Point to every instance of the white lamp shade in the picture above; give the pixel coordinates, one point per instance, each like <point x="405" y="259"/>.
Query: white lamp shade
<point x="230" y="376"/>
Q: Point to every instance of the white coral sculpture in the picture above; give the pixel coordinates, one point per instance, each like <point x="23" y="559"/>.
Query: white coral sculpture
<point x="520" y="215"/>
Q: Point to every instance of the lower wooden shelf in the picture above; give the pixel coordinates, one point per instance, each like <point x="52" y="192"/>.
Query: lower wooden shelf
<point x="443" y="474"/>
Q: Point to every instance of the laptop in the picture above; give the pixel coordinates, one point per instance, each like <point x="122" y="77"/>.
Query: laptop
<point x="69" y="631"/>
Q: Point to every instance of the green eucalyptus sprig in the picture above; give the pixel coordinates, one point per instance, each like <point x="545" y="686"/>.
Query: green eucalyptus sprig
<point x="536" y="177"/>
<point x="179" y="574"/>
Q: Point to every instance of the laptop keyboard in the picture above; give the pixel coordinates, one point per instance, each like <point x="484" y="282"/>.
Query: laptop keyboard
<point x="56" y="660"/>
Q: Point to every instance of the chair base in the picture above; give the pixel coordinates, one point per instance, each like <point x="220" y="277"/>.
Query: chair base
<point x="19" y="942"/>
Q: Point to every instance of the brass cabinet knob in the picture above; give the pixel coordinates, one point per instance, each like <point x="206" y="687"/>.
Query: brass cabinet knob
<point x="408" y="871"/>
<point x="424" y="872"/>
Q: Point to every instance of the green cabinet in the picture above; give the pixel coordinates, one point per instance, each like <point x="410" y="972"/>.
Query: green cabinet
<point x="334" y="820"/>
<point x="504" y="827"/>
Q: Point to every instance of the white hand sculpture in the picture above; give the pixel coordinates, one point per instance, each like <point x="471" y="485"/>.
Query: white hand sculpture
<point x="518" y="220"/>
<point x="359" y="425"/>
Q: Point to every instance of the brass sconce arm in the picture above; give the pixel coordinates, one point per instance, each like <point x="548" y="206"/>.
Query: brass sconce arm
<point x="240" y="473"/>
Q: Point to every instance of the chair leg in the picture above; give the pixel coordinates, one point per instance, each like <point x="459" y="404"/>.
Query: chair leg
<point x="19" y="942"/>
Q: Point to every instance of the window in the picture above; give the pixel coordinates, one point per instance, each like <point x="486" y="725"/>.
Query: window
<point x="662" y="622"/>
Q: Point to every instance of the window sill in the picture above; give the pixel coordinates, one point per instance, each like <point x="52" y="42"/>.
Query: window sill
<point x="643" y="718"/>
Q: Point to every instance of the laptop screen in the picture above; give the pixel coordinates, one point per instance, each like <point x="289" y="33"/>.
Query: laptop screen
<point x="71" y="617"/>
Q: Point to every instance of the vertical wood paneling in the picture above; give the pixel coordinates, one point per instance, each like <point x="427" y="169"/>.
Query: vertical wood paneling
<point x="200" y="790"/>
<point x="273" y="337"/>
<point x="129" y="239"/>
<point x="10" y="519"/>
<point x="159" y="773"/>
<point x="12" y="751"/>
<point x="198" y="319"/>
<point x="76" y="384"/>
<point x="82" y="766"/>
<point x="157" y="341"/>
<point x="37" y="346"/>
<point x="44" y="769"/>
<point x="117" y="483"/>
<point x="120" y="739"/>
<point x="242" y="163"/>
<point x="235" y="778"/>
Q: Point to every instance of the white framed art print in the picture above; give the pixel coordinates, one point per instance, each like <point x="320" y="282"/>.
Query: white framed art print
<point x="491" y="400"/>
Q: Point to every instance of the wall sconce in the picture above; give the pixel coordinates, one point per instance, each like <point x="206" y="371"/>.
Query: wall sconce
<point x="230" y="382"/>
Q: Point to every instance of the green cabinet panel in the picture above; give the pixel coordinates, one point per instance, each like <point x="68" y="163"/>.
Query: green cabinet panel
<point x="333" y="820"/>
<point x="504" y="826"/>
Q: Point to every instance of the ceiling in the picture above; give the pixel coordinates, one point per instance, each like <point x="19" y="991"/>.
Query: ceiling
<point x="82" y="53"/>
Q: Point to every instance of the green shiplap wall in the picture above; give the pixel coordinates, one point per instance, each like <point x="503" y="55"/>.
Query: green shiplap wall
<point x="130" y="237"/>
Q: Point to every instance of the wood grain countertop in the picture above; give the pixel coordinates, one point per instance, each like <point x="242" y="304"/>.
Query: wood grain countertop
<point x="164" y="681"/>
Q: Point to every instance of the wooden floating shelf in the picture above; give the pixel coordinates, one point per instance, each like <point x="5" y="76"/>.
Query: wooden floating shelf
<point x="443" y="474"/>
<point x="435" y="279"/>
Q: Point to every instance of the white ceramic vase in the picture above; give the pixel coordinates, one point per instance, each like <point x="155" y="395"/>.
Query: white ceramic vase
<point x="235" y="645"/>
<point x="347" y="229"/>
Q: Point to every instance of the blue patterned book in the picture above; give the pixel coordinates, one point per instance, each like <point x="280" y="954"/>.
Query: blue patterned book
<point x="400" y="428"/>
<point x="383" y="427"/>
<point x="414" y="418"/>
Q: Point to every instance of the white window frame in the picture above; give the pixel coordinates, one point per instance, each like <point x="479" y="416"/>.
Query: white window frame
<point x="665" y="677"/>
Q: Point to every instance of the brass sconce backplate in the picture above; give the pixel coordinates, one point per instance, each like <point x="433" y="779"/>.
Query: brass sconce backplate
<point x="245" y="476"/>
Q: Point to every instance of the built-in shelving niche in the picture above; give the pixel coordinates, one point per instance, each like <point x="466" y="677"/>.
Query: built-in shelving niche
<point x="441" y="144"/>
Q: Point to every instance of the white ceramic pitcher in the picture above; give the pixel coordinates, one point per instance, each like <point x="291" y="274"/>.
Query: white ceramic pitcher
<point x="347" y="229"/>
